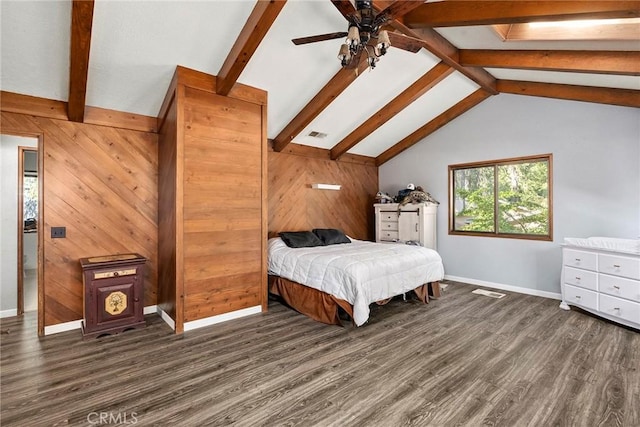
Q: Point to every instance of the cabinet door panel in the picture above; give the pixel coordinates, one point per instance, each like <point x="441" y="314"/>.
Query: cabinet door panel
<point x="409" y="226"/>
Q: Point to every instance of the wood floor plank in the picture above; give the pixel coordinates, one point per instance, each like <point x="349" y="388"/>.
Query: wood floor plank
<point x="461" y="360"/>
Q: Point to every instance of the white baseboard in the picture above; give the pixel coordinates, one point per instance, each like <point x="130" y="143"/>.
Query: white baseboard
<point x="77" y="324"/>
<point x="188" y="326"/>
<point x="510" y="288"/>
<point x="167" y="319"/>
<point x="63" y="327"/>
<point x="151" y="309"/>
<point x="9" y="313"/>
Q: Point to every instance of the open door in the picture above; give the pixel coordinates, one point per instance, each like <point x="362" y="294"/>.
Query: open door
<point x="21" y="277"/>
<point x="28" y="229"/>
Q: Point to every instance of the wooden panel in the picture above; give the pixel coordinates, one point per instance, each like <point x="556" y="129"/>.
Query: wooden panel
<point x="294" y="205"/>
<point x="223" y="264"/>
<point x="81" y="23"/>
<point x="101" y="184"/>
<point x="24" y="104"/>
<point x="42" y="107"/>
<point x="581" y="61"/>
<point x="167" y="207"/>
<point x="600" y="95"/>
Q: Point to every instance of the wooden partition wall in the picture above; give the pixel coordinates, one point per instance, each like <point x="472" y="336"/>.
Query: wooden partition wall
<point x="101" y="184"/>
<point x="212" y="199"/>
<point x="294" y="205"/>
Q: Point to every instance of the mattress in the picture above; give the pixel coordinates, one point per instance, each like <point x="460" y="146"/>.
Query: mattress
<point x="630" y="246"/>
<point x="359" y="272"/>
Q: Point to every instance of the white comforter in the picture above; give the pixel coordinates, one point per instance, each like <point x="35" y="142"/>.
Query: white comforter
<point x="359" y="272"/>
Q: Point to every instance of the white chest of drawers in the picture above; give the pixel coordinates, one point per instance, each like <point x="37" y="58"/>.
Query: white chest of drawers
<point x="603" y="282"/>
<point x="413" y="222"/>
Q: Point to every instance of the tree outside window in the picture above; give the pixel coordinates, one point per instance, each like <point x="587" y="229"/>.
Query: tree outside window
<point x="502" y="198"/>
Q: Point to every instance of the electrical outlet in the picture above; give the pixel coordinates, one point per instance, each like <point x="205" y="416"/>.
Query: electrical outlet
<point x="58" y="232"/>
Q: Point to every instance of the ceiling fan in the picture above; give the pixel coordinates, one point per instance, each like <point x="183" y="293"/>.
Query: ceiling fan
<point x="366" y="33"/>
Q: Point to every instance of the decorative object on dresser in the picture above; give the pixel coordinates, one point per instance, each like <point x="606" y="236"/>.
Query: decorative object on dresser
<point x="113" y="294"/>
<point x="602" y="275"/>
<point x="407" y="223"/>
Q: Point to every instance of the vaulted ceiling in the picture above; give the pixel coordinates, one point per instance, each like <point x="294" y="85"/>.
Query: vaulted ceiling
<point x="121" y="55"/>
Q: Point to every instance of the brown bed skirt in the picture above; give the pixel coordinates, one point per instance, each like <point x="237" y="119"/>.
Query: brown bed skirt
<point x="323" y="307"/>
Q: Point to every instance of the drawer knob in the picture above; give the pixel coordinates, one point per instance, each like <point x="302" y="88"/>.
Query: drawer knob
<point x="578" y="259"/>
<point x="578" y="296"/>
<point x="577" y="278"/>
<point x="616" y="287"/>
<point x="616" y="308"/>
<point x="115" y="273"/>
<point x="616" y="266"/>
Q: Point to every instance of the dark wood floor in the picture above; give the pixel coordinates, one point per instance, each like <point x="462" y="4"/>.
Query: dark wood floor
<point x="465" y="360"/>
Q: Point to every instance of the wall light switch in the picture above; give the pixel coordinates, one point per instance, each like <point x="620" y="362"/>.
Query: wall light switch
<point x="58" y="232"/>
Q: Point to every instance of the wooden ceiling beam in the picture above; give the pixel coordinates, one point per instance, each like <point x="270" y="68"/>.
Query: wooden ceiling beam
<point x="443" y="49"/>
<point x="395" y="106"/>
<point x="258" y="24"/>
<point x="81" y="23"/>
<point x="600" y="95"/>
<point x="598" y="62"/>
<point x="460" y="108"/>
<point x="477" y="12"/>
<point x="338" y="83"/>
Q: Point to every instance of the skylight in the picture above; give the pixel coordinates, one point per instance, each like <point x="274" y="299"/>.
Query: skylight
<point x="592" y="29"/>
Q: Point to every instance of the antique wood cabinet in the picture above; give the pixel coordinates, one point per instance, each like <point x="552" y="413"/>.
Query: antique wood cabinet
<point x="211" y="202"/>
<point x="113" y="294"/>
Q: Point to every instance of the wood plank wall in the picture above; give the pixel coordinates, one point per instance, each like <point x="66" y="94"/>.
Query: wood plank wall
<point x="222" y="204"/>
<point x="295" y="206"/>
<point x="212" y="199"/>
<point x="101" y="184"/>
<point x="167" y="213"/>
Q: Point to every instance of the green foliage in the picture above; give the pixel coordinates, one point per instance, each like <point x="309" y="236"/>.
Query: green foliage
<point x="523" y="198"/>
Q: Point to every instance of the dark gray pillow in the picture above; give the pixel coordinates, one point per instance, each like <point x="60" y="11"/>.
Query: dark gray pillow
<point x="300" y="239"/>
<point x="331" y="236"/>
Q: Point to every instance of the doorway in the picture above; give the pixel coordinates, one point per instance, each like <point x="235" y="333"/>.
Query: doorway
<point x="20" y="226"/>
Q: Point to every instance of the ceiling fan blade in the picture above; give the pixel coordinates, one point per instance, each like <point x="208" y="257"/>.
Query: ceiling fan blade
<point x="347" y="9"/>
<point x="397" y="9"/>
<point x="319" y="38"/>
<point x="405" y="43"/>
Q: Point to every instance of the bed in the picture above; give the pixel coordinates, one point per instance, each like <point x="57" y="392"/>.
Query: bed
<point x="320" y="281"/>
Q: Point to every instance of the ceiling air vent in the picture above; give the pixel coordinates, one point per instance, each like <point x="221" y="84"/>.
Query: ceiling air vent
<point x="315" y="134"/>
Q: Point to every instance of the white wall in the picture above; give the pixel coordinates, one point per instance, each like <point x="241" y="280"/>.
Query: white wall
<point x="596" y="180"/>
<point x="9" y="220"/>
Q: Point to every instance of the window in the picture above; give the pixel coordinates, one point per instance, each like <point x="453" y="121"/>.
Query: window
<point x="502" y="198"/>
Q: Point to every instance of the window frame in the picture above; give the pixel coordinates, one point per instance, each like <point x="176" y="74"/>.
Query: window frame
<point x="495" y="163"/>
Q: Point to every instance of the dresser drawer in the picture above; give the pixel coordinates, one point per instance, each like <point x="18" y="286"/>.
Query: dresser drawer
<point x="619" y="287"/>
<point x="619" y="266"/>
<point x="621" y="308"/>
<point x="388" y="226"/>
<point x="388" y="236"/>
<point x="580" y="259"/>
<point x="581" y="297"/>
<point x="582" y="278"/>
<point x="389" y="216"/>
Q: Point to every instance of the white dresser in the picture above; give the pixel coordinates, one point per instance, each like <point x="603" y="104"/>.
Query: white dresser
<point x="602" y="276"/>
<point x="416" y="222"/>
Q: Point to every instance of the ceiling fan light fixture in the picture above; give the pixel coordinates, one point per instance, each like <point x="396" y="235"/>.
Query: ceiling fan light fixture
<point x="344" y="55"/>
<point x="353" y="36"/>
<point x="383" y="42"/>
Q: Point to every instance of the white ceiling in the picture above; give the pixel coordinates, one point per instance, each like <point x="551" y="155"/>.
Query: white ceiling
<point x="136" y="46"/>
